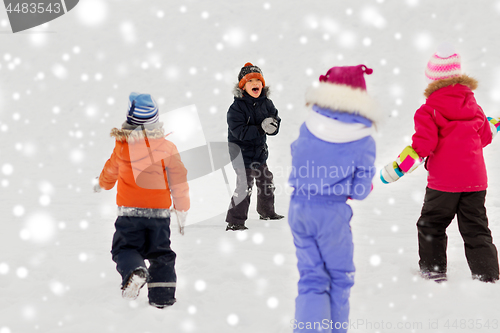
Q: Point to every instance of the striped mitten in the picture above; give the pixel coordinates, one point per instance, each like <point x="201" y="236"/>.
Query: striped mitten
<point x="495" y="125"/>
<point x="409" y="160"/>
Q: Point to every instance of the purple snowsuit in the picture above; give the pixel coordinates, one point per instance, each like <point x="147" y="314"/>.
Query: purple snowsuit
<point x="324" y="175"/>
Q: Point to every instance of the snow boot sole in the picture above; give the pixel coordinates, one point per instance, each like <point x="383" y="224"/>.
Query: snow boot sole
<point x="162" y="306"/>
<point x="235" y="227"/>
<point x="273" y="217"/>
<point x="434" y="276"/>
<point x="484" y="278"/>
<point x="135" y="282"/>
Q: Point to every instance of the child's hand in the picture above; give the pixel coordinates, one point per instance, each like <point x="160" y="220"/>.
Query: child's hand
<point x="181" y="219"/>
<point x="406" y="162"/>
<point x="269" y="125"/>
<point x="97" y="188"/>
<point x="495" y="125"/>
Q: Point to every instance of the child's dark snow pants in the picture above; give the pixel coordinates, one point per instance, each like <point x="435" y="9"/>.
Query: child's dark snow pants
<point x="323" y="240"/>
<point x="438" y="211"/>
<point x="240" y="201"/>
<point x="139" y="238"/>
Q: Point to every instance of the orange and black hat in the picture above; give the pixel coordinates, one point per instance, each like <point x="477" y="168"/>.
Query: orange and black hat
<point x="249" y="72"/>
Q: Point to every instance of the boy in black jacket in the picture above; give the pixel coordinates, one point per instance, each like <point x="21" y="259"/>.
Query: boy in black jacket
<point x="250" y="118"/>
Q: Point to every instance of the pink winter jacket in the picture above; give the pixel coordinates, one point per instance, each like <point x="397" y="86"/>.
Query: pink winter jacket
<point x="451" y="131"/>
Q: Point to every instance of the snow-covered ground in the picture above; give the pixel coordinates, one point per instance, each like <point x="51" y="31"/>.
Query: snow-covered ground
<point x="64" y="85"/>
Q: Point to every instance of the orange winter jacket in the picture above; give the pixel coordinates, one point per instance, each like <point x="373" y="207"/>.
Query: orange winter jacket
<point x="148" y="169"/>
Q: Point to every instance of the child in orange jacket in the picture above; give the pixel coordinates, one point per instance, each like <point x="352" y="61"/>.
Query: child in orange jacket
<point x="150" y="174"/>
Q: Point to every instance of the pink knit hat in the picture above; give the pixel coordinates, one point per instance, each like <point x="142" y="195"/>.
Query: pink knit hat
<point x="347" y="75"/>
<point x="444" y="64"/>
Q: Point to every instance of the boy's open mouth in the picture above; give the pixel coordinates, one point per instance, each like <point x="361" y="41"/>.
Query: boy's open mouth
<point x="255" y="90"/>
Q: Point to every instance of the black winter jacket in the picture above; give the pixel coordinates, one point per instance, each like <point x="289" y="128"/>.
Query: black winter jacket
<point x="244" y="120"/>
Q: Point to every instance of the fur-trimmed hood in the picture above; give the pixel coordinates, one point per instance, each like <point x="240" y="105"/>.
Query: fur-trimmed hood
<point x="464" y="80"/>
<point x="132" y="133"/>
<point x="238" y="92"/>
<point x="343" y="98"/>
<point x="453" y="98"/>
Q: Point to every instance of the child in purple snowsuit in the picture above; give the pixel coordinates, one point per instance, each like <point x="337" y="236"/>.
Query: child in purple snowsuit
<point x="332" y="161"/>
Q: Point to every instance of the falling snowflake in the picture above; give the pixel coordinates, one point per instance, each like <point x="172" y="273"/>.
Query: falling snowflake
<point x="39" y="228"/>
<point x="200" y="285"/>
<point x="22" y="272"/>
<point x="375" y="260"/>
<point x="233" y="319"/>
<point x="258" y="238"/>
<point x="92" y="12"/>
<point x="272" y="302"/>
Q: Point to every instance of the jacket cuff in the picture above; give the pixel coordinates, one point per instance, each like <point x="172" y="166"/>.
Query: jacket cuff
<point x="261" y="130"/>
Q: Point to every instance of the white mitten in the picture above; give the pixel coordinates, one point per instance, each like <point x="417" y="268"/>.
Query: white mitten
<point x="181" y="219"/>
<point x="269" y="125"/>
<point x="97" y="187"/>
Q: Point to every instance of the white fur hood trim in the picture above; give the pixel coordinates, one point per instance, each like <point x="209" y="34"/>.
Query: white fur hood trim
<point x="344" y="99"/>
<point x="152" y="131"/>
<point x="332" y="130"/>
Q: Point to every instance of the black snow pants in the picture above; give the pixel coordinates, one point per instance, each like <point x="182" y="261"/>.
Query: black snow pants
<point x="438" y="211"/>
<point x="240" y="201"/>
<point x="139" y="238"/>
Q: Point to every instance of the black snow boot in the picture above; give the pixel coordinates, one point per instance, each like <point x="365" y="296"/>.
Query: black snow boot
<point x="235" y="227"/>
<point x="484" y="278"/>
<point x="272" y="217"/>
<point x="434" y="276"/>
<point x="135" y="282"/>
<point x="162" y="306"/>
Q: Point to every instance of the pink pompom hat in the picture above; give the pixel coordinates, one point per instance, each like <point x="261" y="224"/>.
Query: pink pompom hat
<point x="343" y="89"/>
<point x="351" y="76"/>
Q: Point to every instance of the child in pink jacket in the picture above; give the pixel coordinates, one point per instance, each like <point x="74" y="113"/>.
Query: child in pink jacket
<point x="451" y="131"/>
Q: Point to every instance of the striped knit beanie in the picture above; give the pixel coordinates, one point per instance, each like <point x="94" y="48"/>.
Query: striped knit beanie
<point x="249" y="72"/>
<point x="444" y="64"/>
<point x="142" y="109"/>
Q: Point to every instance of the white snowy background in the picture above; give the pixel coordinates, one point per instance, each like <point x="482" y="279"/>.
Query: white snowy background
<point x="64" y="85"/>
